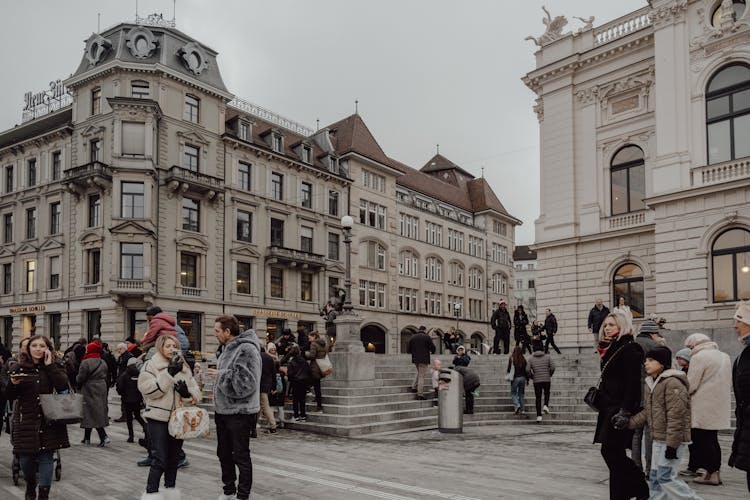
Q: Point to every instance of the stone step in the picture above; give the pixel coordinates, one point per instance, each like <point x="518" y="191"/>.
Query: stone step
<point x="364" y="418"/>
<point x="369" y="407"/>
<point x="557" y="416"/>
<point x="367" y="429"/>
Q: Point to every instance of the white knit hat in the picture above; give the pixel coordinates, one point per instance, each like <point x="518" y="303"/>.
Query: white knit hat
<point x="742" y="313"/>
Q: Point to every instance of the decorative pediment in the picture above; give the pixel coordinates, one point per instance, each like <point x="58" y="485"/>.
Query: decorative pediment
<point x="6" y="251"/>
<point x="336" y="268"/>
<point x="131" y="228"/>
<point x="26" y="248"/>
<point x="52" y="244"/>
<point x="245" y="251"/>
<point x="91" y="131"/>
<point x="193" y="137"/>
<point x="91" y="238"/>
<point x="192" y="243"/>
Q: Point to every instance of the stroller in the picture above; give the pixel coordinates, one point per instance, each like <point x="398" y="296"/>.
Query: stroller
<point x="16" y="463"/>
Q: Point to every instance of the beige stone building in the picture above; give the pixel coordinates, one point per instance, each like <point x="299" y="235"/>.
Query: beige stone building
<point x="148" y="183"/>
<point x="645" y="169"/>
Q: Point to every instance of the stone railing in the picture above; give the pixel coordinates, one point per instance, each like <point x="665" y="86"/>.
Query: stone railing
<point x="128" y="284"/>
<point x="625" y="221"/>
<point x="90" y="289"/>
<point x="192" y="292"/>
<point x="720" y="172"/>
<point x="622" y="26"/>
<point x="270" y="116"/>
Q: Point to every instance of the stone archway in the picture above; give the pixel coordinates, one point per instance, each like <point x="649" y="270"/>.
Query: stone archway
<point x="477" y="342"/>
<point x="404" y="336"/>
<point x="373" y="338"/>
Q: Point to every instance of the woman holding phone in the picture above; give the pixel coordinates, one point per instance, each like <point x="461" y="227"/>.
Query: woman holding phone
<point x="34" y="440"/>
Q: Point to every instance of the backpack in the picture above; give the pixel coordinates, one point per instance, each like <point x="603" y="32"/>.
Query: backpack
<point x="72" y="365"/>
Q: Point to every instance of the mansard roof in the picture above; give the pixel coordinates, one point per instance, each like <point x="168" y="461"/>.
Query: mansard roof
<point x="523" y="252"/>
<point x="351" y="135"/>
<point x="38" y="126"/>
<point x="440" y="163"/>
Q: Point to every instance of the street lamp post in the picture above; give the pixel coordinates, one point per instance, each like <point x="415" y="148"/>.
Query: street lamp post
<point x="346" y="224"/>
<point x="457" y="308"/>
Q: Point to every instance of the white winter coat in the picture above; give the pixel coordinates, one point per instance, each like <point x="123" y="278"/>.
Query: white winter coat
<point x="710" y="378"/>
<point x="157" y="387"/>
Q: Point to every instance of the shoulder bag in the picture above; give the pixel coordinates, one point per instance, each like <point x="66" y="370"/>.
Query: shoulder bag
<point x="510" y="375"/>
<point x="187" y="422"/>
<point x="62" y="407"/>
<point x="325" y="366"/>
<point x="592" y="395"/>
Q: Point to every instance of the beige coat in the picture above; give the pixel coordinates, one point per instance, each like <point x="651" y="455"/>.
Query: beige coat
<point x="157" y="387"/>
<point x="666" y="408"/>
<point x="710" y="377"/>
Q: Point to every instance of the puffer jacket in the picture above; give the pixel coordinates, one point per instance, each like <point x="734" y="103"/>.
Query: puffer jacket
<point x="237" y="386"/>
<point x="710" y="378"/>
<point x="161" y="324"/>
<point x="318" y="350"/>
<point x="541" y="367"/>
<point x="31" y="433"/>
<point x="666" y="408"/>
<point x="157" y="387"/>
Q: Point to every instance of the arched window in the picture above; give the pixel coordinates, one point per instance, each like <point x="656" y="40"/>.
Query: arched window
<point x="408" y="264"/>
<point x="433" y="269"/>
<point x="730" y="256"/>
<point x="728" y="114"/>
<point x="456" y="276"/>
<point x="499" y="283"/>
<point x="477" y="342"/>
<point x="738" y="8"/>
<point x="628" y="177"/>
<point x="628" y="283"/>
<point x="372" y="255"/>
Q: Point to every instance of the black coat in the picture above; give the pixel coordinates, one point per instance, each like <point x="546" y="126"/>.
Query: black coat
<point x="267" y="373"/>
<point x="596" y="318"/>
<point x="500" y="321"/>
<point x="122" y="362"/>
<point x="740" y="456"/>
<point x="470" y="378"/>
<point x="420" y="347"/>
<point x="519" y="322"/>
<point x="550" y="324"/>
<point x="620" y="388"/>
<point x="127" y="385"/>
<point x="31" y="433"/>
<point x="298" y="370"/>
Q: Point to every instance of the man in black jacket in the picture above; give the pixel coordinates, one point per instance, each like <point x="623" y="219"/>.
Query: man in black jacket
<point x="420" y="347"/>
<point x="596" y="318"/>
<point x="550" y="326"/>
<point x="740" y="457"/>
<point x="500" y="322"/>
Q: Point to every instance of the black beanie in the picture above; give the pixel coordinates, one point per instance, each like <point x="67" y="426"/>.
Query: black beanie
<point x="661" y="354"/>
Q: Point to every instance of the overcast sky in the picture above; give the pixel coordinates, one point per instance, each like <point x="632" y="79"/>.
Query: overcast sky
<point x="425" y="72"/>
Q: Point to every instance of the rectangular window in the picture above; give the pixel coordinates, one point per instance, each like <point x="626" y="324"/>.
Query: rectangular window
<point x="56" y="165"/>
<point x="306" y="239"/>
<point x="243" y="176"/>
<point x="372" y="294"/>
<point x="31" y="172"/>
<point x="9" y="179"/>
<point x="95" y="207"/>
<point x="277" y="233"/>
<point x="244" y="131"/>
<point x="96" y="100"/>
<point x="54" y="320"/>
<point x="139" y="89"/>
<point x="191" y="323"/>
<point x="191" y="214"/>
<point x="192" y="108"/>
<point x="132" y="200"/>
<point x="333" y="203"/>
<point x="276" y="143"/>
<point x="7" y="228"/>
<point x="189" y="270"/>
<point x="7" y="322"/>
<point x="277" y="186"/>
<point x="133" y="139"/>
<point x="95" y="148"/>
<point x="333" y="246"/>
<point x="191" y="157"/>
<point x="277" y="283"/>
<point x="531" y="283"/>
<point x="244" y="226"/>
<point x="306" y="155"/>
<point x="243" y="277"/>
<point x="54" y="272"/>
<point x="55" y="218"/>
<point x="30" y="223"/>
<point x="7" y="279"/>
<point x="30" y="268"/>
<point x="306" y="195"/>
<point x="131" y="261"/>
<point x="93" y="324"/>
<point x="306" y="287"/>
<point x="373" y="181"/>
<point x="407" y="300"/>
<point x="93" y="266"/>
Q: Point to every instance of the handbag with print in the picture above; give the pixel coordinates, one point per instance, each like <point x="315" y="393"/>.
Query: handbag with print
<point x="188" y="422"/>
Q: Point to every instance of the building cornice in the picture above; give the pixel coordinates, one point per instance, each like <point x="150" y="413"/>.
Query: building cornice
<point x="646" y="228"/>
<point x="696" y="191"/>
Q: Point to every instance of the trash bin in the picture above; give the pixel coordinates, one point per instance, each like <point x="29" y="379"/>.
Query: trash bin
<point x="451" y="402"/>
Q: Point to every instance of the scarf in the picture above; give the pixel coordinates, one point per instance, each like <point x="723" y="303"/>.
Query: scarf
<point x="606" y="343"/>
<point x="745" y="340"/>
<point x="93" y="350"/>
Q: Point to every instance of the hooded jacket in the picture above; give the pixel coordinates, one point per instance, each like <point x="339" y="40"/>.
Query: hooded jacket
<point x="666" y="408"/>
<point x="237" y="387"/>
<point x="161" y="324"/>
<point x="710" y="378"/>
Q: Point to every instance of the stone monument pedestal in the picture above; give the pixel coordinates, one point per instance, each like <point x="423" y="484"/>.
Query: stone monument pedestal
<point x="350" y="361"/>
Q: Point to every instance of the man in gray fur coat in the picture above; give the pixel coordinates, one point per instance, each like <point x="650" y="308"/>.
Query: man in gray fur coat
<point x="236" y="403"/>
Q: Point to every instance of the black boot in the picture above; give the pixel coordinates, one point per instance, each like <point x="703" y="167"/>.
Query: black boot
<point x="30" y="489"/>
<point x="43" y="493"/>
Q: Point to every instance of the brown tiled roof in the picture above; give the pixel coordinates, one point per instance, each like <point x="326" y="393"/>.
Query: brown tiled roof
<point x="523" y="252"/>
<point x="352" y="135"/>
<point x="438" y="163"/>
<point x="483" y="197"/>
<point x="434" y="187"/>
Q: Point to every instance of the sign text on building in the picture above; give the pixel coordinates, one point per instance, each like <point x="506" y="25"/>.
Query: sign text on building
<point x="27" y="309"/>
<point x="276" y="314"/>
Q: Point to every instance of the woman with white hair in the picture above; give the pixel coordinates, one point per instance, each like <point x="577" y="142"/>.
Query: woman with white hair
<point x="740" y="457"/>
<point x="710" y="378"/>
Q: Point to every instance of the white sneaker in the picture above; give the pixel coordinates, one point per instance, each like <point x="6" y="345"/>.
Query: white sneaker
<point x="227" y="497"/>
<point x="545" y="410"/>
<point x="538" y="419"/>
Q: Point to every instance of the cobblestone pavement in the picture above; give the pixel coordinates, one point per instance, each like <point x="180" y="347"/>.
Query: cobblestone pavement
<point x="504" y="461"/>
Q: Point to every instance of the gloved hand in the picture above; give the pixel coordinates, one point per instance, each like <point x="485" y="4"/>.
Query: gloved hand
<point x="620" y="420"/>
<point x="182" y="389"/>
<point x="175" y="365"/>
<point x="670" y="453"/>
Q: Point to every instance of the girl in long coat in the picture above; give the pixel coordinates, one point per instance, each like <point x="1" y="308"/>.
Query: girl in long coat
<point x="620" y="397"/>
<point x="92" y="381"/>
<point x="34" y="440"/>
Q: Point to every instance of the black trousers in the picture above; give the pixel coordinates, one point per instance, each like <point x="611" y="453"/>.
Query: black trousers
<point x="233" y="450"/>
<point x="299" y="393"/>
<point x="706" y="449"/>
<point x="164" y="456"/>
<point x="503" y="335"/>
<point x="539" y="389"/>
<point x="132" y="411"/>
<point x="550" y="342"/>
<point x="99" y="430"/>
<point x="626" y="480"/>
<point x="318" y="395"/>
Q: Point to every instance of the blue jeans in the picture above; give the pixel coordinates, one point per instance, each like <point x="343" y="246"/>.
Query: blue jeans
<point x="517" y="392"/>
<point x="44" y="461"/>
<point x="663" y="480"/>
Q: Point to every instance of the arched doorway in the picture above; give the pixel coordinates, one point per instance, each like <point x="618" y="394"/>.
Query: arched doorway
<point x="406" y="334"/>
<point x="437" y="338"/>
<point x="461" y="337"/>
<point x="477" y="342"/>
<point x="373" y="339"/>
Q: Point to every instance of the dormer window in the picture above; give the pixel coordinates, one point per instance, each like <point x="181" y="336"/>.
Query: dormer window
<point x="332" y="163"/>
<point x="306" y="155"/>
<point x="243" y="131"/>
<point x="276" y="142"/>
